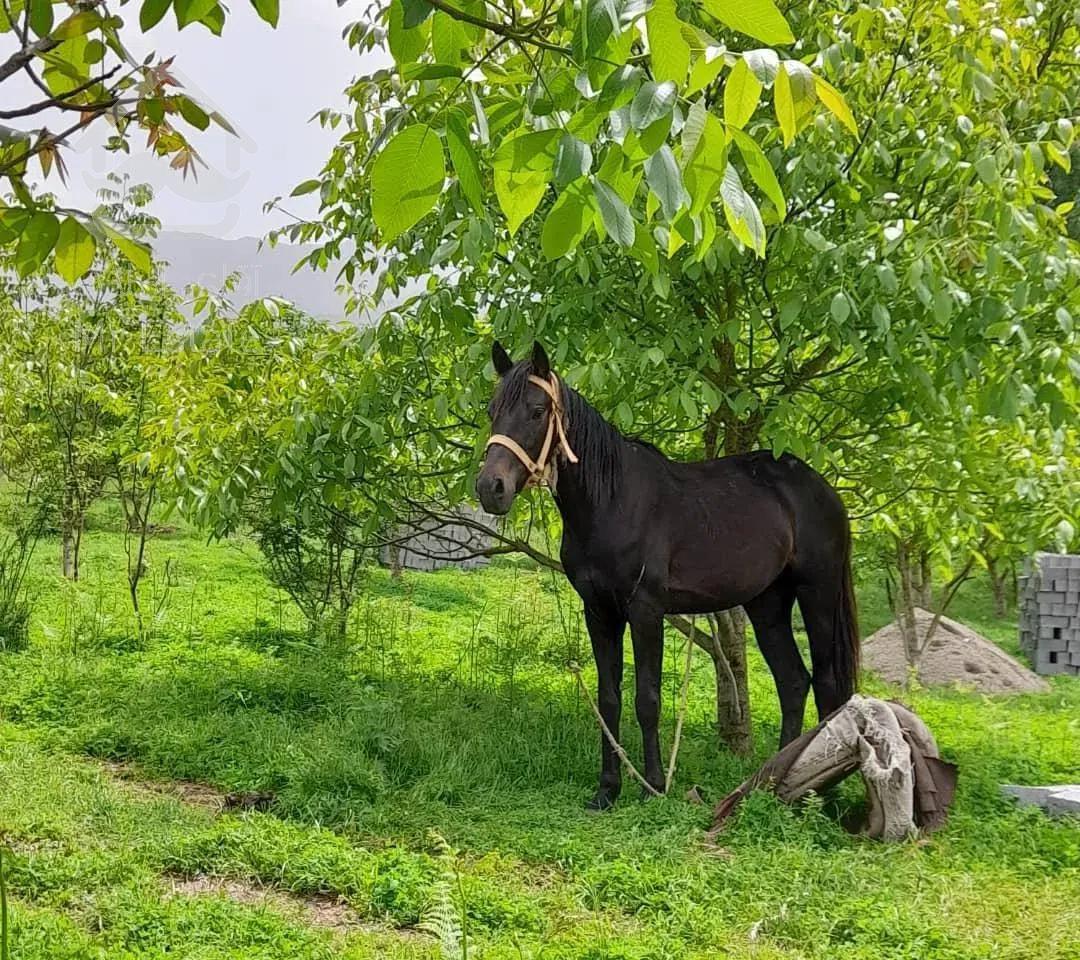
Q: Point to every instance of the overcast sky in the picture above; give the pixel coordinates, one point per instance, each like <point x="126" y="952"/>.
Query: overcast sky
<point x="267" y="83"/>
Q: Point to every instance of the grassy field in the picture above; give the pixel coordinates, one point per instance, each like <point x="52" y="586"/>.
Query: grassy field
<point x="436" y="764"/>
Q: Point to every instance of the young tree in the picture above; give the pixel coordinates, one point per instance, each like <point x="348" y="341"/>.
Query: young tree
<point x="252" y="432"/>
<point x="71" y="375"/>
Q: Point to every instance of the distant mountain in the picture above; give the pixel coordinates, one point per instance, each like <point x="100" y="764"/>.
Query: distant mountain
<point x="265" y="272"/>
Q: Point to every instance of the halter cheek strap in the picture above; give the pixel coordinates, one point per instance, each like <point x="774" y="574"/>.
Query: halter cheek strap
<point x="541" y="470"/>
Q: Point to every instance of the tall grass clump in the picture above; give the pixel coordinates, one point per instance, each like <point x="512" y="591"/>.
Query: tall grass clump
<point x="18" y="538"/>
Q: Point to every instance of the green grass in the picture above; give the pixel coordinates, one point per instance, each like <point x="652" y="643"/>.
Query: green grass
<point x="449" y="710"/>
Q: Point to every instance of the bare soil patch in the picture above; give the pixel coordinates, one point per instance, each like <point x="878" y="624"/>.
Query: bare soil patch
<point x="955" y="656"/>
<point x="319" y="910"/>
<point x="187" y="791"/>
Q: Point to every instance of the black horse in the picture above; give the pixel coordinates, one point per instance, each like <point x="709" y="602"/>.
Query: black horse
<point x="644" y="536"/>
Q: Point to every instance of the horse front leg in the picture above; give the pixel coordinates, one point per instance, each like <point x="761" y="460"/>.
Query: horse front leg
<point x="606" y="630"/>
<point x="647" y="632"/>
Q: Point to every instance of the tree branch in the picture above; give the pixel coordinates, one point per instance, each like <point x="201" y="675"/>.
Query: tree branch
<point x="23" y="56"/>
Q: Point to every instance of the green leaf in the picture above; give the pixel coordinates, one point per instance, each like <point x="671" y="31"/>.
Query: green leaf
<point x="596" y="22"/>
<point x="268" y="10"/>
<point x="784" y="103"/>
<point x="760" y="170"/>
<point x="406" y="179"/>
<point x="41" y="16"/>
<point x="741" y="93"/>
<point x="615" y="214"/>
<point x="840" y="307"/>
<point x="138" y="254"/>
<point x="415" y="12"/>
<point x="151" y="13"/>
<point x="519" y="193"/>
<point x="36" y="242"/>
<point x="705" y="172"/>
<point x="1008" y="404"/>
<point x="406" y="43"/>
<point x="693" y="129"/>
<point x="192" y="112"/>
<point x="652" y="101"/>
<point x="644" y="249"/>
<point x="742" y="213"/>
<point x="77" y="25"/>
<point x="665" y="180"/>
<point x="214" y="21"/>
<point x="986" y="168"/>
<point x="308" y="186"/>
<point x="704" y="72"/>
<point x="669" y="52"/>
<point x="619" y="88"/>
<point x="74" y="250"/>
<point x="191" y="11"/>
<point x="568" y="221"/>
<point x="835" y="102"/>
<point x="13" y="221"/>
<point x="943" y="303"/>
<point x="428" y="71"/>
<point x="463" y="157"/>
<point x="759" y="19"/>
<point x="448" y="38"/>
<point x="526" y="150"/>
<point x="573" y="159"/>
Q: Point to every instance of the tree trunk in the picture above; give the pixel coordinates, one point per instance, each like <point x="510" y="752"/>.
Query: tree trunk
<point x="905" y="614"/>
<point x="138" y="526"/>
<point x="926" y="581"/>
<point x="732" y="690"/>
<point x="998" y="584"/>
<point x="738" y="435"/>
<point x="70" y="534"/>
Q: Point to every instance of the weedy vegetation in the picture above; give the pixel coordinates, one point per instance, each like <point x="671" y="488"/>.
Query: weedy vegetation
<point x="429" y="767"/>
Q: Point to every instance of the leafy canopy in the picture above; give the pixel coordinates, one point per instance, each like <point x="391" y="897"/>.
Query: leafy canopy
<point x="592" y="101"/>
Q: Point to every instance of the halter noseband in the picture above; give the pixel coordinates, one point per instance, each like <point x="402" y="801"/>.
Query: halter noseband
<point x="541" y="472"/>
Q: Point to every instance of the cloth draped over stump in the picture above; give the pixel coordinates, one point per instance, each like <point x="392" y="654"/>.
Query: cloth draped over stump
<point x="908" y="786"/>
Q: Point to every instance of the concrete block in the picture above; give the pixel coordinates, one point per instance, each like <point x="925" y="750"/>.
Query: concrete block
<point x="1058" y="801"/>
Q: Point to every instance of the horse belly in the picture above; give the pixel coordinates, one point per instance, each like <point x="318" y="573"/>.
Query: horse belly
<point x="725" y="566"/>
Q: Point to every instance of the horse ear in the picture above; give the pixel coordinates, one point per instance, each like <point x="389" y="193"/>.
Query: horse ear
<point x="501" y="359"/>
<point x="540" y="363"/>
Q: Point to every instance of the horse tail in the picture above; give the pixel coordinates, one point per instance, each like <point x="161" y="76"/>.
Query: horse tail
<point x="846" y="632"/>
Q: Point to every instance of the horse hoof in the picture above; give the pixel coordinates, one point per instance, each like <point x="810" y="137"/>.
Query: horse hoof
<point x="649" y="795"/>
<point x="601" y="801"/>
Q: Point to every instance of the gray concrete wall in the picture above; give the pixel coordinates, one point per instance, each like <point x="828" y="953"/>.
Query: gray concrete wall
<point x="435" y="545"/>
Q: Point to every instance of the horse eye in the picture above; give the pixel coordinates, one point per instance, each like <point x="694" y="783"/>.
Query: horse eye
<point x="538" y="412"/>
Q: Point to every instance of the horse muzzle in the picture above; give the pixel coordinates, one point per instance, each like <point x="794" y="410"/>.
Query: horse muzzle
<point x="496" y="492"/>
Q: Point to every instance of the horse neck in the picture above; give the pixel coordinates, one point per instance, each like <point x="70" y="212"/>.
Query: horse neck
<point x="594" y="481"/>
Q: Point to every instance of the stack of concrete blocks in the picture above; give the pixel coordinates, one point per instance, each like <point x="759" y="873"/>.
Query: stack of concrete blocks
<point x="1049" y="593"/>
<point x="431" y="544"/>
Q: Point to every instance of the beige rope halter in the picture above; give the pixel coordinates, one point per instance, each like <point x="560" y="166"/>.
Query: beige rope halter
<point x="541" y="471"/>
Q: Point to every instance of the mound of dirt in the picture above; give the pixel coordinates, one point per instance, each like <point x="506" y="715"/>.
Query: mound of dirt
<point x="956" y="655"/>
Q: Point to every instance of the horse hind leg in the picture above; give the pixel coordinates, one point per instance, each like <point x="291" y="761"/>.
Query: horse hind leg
<point x="770" y="614"/>
<point x="818" y="603"/>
